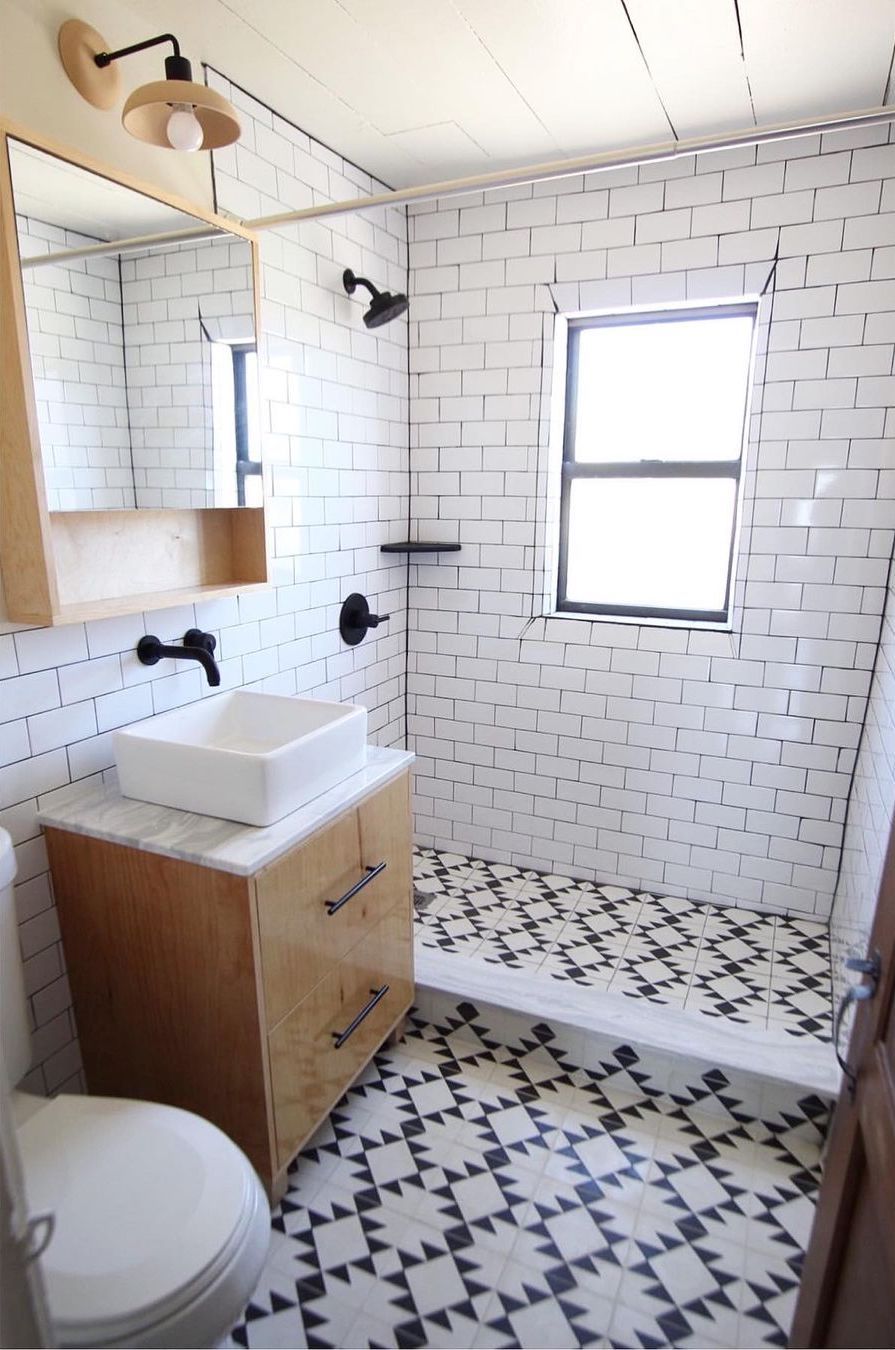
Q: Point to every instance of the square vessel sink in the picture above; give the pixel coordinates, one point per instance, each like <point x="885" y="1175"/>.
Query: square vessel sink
<point x="242" y="756"/>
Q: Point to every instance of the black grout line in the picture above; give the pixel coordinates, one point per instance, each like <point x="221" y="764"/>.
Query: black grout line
<point x="887" y="86"/>
<point x="646" y="67"/>
<point x="127" y="404"/>
<point x="275" y="112"/>
<point x="736" y="8"/>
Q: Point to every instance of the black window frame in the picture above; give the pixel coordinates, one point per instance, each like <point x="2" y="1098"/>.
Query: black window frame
<point x="245" y="465"/>
<point x="645" y="468"/>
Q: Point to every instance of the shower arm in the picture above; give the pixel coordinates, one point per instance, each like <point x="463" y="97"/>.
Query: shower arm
<point x="351" y="283"/>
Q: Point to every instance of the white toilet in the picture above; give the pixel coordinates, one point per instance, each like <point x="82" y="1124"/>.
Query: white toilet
<point x="161" y="1225"/>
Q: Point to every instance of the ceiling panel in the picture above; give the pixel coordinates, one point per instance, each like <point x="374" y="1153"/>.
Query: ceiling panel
<point x="816" y="56"/>
<point x="455" y="79"/>
<point x="448" y="144"/>
<point x="231" y="36"/>
<point x="692" y="48"/>
<point x="577" y="66"/>
<point x="415" y="90"/>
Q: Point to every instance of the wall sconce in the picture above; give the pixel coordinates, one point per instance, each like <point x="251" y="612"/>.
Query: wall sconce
<point x="176" y="113"/>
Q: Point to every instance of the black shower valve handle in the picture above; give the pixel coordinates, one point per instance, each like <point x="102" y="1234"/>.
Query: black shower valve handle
<point x="355" y="619"/>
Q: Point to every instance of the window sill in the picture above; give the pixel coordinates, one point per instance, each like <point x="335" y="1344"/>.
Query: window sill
<point x="695" y="625"/>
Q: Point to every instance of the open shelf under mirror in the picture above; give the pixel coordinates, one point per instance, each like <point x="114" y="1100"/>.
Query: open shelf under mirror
<point x="101" y="557"/>
<point x="128" y="478"/>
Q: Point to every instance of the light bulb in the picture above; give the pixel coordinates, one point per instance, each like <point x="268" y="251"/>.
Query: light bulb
<point x="184" y="129"/>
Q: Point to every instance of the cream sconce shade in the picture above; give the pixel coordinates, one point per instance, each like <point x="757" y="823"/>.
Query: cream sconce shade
<point x="175" y="113"/>
<point x="149" y="110"/>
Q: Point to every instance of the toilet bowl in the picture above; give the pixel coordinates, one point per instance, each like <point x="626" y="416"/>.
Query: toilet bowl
<point x="160" y="1225"/>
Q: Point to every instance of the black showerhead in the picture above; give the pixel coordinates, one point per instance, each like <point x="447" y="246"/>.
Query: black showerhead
<point x="383" y="306"/>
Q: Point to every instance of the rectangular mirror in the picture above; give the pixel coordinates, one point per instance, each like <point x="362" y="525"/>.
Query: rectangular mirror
<point x="143" y="352"/>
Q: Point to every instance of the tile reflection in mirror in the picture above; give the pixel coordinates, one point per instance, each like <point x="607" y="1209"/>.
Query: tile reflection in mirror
<point x="144" y="358"/>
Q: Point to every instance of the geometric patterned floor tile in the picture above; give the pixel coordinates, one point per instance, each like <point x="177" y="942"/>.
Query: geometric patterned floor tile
<point x="478" y="1190"/>
<point x="744" y="965"/>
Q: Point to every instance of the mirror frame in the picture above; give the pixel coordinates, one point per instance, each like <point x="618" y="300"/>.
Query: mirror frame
<point x="70" y="566"/>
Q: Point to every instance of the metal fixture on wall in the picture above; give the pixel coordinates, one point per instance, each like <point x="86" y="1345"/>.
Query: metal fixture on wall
<point x="355" y="619"/>
<point x="383" y="306"/>
<point x="197" y="646"/>
<point x="176" y="112"/>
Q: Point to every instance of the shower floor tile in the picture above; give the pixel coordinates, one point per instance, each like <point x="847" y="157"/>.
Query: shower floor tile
<point x="746" y="966"/>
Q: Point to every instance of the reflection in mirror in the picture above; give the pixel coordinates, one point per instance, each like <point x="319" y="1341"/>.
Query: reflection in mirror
<point x="144" y="357"/>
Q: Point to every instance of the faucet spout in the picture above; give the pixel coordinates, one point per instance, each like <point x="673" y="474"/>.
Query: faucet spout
<point x="197" y="646"/>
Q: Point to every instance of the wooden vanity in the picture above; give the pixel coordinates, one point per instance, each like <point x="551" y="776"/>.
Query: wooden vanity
<point x="253" y="999"/>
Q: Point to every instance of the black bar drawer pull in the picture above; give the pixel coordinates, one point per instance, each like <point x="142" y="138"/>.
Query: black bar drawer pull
<point x="377" y="996"/>
<point x="333" y="906"/>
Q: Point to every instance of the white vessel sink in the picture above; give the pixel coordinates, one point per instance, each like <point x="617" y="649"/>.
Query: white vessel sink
<point x="242" y="756"/>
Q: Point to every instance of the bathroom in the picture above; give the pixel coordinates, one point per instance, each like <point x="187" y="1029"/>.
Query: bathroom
<point x="643" y="849"/>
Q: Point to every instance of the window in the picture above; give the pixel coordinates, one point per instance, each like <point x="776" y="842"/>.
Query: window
<point x="245" y="407"/>
<point x="652" y="454"/>
<point x="236" y="423"/>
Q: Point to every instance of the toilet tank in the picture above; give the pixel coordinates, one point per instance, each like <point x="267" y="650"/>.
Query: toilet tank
<point x="15" y="1037"/>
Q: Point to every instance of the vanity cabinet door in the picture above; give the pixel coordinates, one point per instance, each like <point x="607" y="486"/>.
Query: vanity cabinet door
<point x="318" y="901"/>
<point x="317" y="1051"/>
<point x="385" y="835"/>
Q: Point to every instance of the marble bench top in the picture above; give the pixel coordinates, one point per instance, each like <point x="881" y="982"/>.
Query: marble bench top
<point x="99" y="810"/>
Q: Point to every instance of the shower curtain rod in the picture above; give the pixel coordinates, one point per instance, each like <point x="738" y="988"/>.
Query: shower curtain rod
<point x="498" y="178"/>
<point x="138" y="241"/>
<point x="593" y="163"/>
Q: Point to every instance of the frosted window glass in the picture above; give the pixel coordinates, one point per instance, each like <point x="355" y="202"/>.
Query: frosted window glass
<point x="656" y="543"/>
<point x="662" y="390"/>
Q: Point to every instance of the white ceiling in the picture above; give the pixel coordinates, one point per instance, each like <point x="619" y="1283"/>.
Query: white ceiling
<point x="415" y="90"/>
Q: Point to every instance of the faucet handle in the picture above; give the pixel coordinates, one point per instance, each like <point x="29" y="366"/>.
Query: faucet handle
<point x="149" y="650"/>
<point x="194" y="637"/>
<point x="374" y="620"/>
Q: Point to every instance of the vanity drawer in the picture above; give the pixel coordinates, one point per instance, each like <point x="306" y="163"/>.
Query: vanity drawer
<point x="385" y="832"/>
<point x="320" y="900"/>
<point x="318" y="1050"/>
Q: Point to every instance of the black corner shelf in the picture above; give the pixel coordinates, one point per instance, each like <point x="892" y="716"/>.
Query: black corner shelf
<point x="419" y="546"/>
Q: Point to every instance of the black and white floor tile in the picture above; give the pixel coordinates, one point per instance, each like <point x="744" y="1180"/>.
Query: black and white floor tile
<point x="744" y="965"/>
<point x="480" y="1189"/>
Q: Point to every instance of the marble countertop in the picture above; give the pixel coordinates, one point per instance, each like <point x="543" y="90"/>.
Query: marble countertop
<point x="99" y="810"/>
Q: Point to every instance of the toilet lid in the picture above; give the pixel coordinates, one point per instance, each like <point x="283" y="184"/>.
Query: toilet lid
<point x="149" y="1202"/>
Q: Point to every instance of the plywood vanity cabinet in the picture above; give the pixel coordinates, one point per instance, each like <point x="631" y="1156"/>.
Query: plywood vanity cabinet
<point x="252" y="1000"/>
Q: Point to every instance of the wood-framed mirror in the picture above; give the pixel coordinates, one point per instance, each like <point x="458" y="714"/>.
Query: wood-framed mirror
<point x="130" y="466"/>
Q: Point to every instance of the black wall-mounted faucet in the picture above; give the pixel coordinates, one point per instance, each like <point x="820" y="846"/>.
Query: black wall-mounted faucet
<point x="197" y="646"/>
<point x="355" y="619"/>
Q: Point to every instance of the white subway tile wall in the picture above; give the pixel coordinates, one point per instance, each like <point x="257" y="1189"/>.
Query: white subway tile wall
<point x="175" y="303"/>
<point x="336" y="464"/>
<point x="870" y="812"/>
<point x="76" y="339"/>
<point x="121" y="353"/>
<point x="714" y="765"/>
